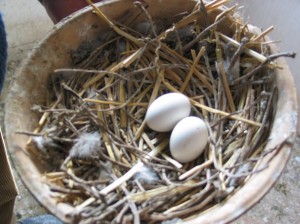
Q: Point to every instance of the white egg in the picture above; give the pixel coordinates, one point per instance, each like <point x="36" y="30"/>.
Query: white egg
<point x="188" y="139"/>
<point x="167" y="110"/>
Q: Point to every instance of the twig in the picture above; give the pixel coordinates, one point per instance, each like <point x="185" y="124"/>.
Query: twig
<point x="132" y="171"/>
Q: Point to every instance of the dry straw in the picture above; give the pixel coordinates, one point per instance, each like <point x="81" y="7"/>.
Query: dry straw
<point x="207" y="54"/>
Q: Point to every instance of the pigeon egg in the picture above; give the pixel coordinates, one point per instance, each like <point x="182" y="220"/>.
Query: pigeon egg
<point x="188" y="139"/>
<point x="167" y="110"/>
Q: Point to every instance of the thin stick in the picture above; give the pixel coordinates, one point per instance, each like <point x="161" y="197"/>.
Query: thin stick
<point x="192" y="70"/>
<point x="261" y="58"/>
<point x="201" y="35"/>
<point x="195" y="169"/>
<point x="122" y="97"/>
<point x="113" y="26"/>
<point x="228" y="94"/>
<point x="115" y="67"/>
<point x="43" y="119"/>
<point x="172" y="161"/>
<point x="133" y="170"/>
<point x="115" y="103"/>
<point x="266" y="32"/>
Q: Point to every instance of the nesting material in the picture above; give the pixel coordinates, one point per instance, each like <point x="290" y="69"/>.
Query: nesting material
<point x="112" y="167"/>
<point x="87" y="145"/>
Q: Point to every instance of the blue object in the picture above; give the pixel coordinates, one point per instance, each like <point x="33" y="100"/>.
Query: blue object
<point x="3" y="52"/>
<point x="42" y="219"/>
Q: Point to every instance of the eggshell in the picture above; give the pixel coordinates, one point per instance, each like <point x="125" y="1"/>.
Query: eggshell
<point x="188" y="139"/>
<point x="167" y="110"/>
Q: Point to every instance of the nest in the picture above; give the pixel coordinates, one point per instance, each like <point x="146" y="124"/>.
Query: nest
<point x="100" y="155"/>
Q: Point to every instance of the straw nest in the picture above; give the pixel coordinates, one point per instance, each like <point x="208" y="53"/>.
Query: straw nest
<point x="101" y="156"/>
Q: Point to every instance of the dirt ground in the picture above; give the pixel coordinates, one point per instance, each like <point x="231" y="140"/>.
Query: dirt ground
<point x="280" y="205"/>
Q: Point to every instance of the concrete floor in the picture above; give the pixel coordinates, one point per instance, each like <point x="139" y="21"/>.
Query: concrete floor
<point x="27" y="23"/>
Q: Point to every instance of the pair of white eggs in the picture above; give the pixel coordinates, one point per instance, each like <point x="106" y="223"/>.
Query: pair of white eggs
<point x="170" y="112"/>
